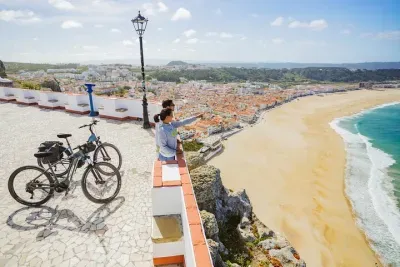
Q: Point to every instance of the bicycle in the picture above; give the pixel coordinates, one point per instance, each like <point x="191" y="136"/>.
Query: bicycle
<point x="42" y="184"/>
<point x="104" y="151"/>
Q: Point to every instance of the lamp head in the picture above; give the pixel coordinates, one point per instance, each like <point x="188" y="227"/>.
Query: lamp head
<point x="140" y="24"/>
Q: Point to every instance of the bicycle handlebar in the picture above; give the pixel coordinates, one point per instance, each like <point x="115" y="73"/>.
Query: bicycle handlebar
<point x="88" y="125"/>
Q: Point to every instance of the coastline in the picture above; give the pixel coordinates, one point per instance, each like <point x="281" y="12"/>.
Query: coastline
<point x="308" y="203"/>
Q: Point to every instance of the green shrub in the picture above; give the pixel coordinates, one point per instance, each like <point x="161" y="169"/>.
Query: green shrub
<point x="192" y="146"/>
<point x="30" y="85"/>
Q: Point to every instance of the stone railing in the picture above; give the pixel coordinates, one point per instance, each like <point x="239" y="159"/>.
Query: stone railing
<point x="177" y="231"/>
<point x="108" y="107"/>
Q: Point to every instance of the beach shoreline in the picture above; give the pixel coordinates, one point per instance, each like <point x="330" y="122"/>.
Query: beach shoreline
<point x="308" y="203"/>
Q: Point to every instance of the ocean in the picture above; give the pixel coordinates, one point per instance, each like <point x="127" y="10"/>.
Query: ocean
<point x="372" y="183"/>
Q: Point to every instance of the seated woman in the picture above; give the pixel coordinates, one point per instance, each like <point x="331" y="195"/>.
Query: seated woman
<point x="168" y="133"/>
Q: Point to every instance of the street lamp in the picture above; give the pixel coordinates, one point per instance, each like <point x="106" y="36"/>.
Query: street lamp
<point x="140" y="24"/>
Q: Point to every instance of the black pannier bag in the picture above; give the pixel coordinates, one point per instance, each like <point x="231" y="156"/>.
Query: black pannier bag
<point x="55" y="148"/>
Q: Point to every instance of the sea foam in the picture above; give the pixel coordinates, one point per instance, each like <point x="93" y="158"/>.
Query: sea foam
<point x="370" y="191"/>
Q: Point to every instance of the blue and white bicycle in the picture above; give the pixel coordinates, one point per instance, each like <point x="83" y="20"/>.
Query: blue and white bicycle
<point x="104" y="152"/>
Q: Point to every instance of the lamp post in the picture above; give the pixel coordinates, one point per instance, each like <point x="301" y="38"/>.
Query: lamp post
<point x="140" y="24"/>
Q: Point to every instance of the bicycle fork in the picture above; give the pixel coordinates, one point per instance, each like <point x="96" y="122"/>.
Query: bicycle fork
<point x="95" y="172"/>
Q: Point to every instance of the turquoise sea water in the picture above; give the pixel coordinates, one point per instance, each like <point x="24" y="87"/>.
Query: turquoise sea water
<point x="372" y="140"/>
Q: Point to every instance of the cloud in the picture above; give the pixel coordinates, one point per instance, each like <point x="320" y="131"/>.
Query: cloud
<point x="389" y="35"/>
<point x="158" y="50"/>
<point x="278" y="41"/>
<point x="345" y="31"/>
<point x="177" y="40"/>
<point x="189" y="33"/>
<point x="35" y="39"/>
<point x="90" y="47"/>
<point x="311" y="43"/>
<point x="98" y="26"/>
<point x="208" y="34"/>
<point x="181" y="14"/>
<point x="254" y="15"/>
<point x="115" y="30"/>
<point x="218" y="11"/>
<point x="151" y="9"/>
<point x="191" y="50"/>
<point x="367" y="34"/>
<point x="385" y="35"/>
<point x="192" y="41"/>
<point x="162" y="7"/>
<point x="69" y="24"/>
<point x="61" y="4"/>
<point x="127" y="43"/>
<point x="19" y="16"/>
<point x="225" y="35"/>
<point x="243" y="38"/>
<point x="316" y="25"/>
<point x="159" y="29"/>
<point x="278" y="21"/>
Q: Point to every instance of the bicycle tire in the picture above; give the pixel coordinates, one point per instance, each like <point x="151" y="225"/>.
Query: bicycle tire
<point x="67" y="153"/>
<point x="103" y="146"/>
<point x="97" y="165"/>
<point x="15" y="196"/>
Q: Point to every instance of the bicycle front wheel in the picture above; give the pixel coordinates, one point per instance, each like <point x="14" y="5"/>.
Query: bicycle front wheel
<point x="31" y="186"/>
<point x="101" y="182"/>
<point x="107" y="152"/>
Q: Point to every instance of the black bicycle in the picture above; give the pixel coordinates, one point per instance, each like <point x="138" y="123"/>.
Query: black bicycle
<point x="34" y="186"/>
<point x="105" y="152"/>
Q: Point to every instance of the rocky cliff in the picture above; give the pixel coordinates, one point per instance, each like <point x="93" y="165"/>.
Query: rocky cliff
<point x="234" y="234"/>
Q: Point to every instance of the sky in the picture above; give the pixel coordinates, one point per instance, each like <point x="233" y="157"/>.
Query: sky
<point x="307" y="31"/>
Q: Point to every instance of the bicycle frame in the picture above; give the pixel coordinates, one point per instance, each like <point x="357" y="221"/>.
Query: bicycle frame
<point x="94" y="138"/>
<point x="75" y="159"/>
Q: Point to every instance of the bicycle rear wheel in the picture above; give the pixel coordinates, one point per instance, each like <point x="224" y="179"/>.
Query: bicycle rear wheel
<point x="31" y="186"/>
<point x="101" y="182"/>
<point x="107" y="152"/>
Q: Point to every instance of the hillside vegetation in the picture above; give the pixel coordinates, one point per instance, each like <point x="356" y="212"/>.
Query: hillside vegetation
<point x="274" y="75"/>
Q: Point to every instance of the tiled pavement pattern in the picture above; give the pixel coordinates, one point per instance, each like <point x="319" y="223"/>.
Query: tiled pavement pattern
<point x="71" y="230"/>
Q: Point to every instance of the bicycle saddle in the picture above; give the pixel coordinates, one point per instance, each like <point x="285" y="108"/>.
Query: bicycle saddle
<point x="64" y="135"/>
<point x="43" y="154"/>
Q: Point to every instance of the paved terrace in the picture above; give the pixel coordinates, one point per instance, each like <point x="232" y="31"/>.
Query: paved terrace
<point x="72" y="231"/>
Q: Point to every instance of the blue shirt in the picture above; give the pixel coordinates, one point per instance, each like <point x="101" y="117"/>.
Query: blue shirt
<point x="168" y="135"/>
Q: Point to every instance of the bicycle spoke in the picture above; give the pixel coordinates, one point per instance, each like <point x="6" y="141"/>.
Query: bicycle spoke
<point x="100" y="186"/>
<point x="31" y="190"/>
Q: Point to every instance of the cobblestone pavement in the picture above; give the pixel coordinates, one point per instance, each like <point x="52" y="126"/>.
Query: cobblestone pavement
<point x="70" y="230"/>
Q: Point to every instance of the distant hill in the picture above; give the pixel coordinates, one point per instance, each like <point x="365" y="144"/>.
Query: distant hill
<point x="13" y="67"/>
<point x="177" y="63"/>
<point x="291" y="65"/>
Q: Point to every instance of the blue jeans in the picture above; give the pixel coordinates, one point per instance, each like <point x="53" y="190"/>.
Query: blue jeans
<point x="162" y="158"/>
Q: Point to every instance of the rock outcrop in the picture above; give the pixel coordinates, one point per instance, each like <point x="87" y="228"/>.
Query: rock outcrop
<point x="234" y="234"/>
<point x="194" y="160"/>
<point x="213" y="197"/>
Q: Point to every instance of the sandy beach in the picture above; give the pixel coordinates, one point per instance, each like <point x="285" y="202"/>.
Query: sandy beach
<point x="292" y="165"/>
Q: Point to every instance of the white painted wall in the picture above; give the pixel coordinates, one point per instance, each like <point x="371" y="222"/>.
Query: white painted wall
<point x="189" y="252"/>
<point x="166" y="200"/>
<point x="71" y="101"/>
<point x="168" y="249"/>
<point x="6" y="92"/>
